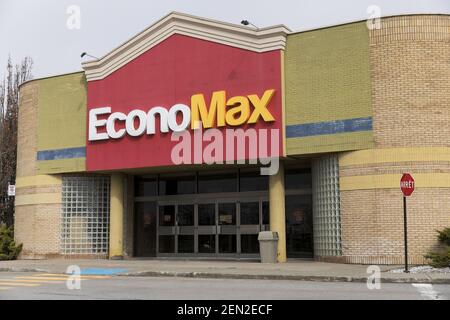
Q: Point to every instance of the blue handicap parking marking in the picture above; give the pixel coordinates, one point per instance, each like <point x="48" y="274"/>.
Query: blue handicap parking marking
<point x="102" y="271"/>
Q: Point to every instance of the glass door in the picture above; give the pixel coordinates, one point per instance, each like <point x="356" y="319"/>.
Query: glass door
<point x="176" y="228"/>
<point x="211" y="228"/>
<point x="227" y="228"/>
<point x="217" y="228"/>
<point x="185" y="229"/>
<point x="166" y="228"/>
<point x="299" y="231"/>
<point x="249" y="225"/>
<point x="207" y="228"/>
<point x="145" y="229"/>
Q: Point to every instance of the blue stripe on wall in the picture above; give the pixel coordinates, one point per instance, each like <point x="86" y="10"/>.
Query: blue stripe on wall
<point x="330" y="127"/>
<point x="68" y="153"/>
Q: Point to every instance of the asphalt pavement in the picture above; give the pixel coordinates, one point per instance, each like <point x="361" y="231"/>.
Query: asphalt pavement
<point x="30" y="285"/>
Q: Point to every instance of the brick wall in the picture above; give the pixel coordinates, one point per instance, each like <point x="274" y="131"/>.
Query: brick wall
<point x="410" y="71"/>
<point x="327" y="74"/>
<point x="37" y="217"/>
<point x="411" y="81"/>
<point x="27" y="130"/>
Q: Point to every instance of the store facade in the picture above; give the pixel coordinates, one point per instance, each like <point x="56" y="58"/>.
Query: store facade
<point x="195" y="135"/>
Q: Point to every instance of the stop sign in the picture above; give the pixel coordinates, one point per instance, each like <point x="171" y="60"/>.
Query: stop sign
<point x="407" y="184"/>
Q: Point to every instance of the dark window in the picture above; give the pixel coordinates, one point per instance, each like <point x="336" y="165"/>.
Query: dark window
<point x="253" y="181"/>
<point x="145" y="228"/>
<point x="146" y="186"/>
<point x="266" y="212"/>
<point x="249" y="243"/>
<point x="186" y="244"/>
<point x="299" y="235"/>
<point x="227" y="243"/>
<point x="206" y="243"/>
<point x="297" y="179"/>
<point x="167" y="244"/>
<point x="206" y="214"/>
<point x="219" y="182"/>
<point x="186" y="215"/>
<point x="249" y="213"/>
<point x="167" y="215"/>
<point x="227" y="213"/>
<point x="179" y="184"/>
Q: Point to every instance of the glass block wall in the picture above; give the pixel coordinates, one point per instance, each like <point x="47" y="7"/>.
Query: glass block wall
<point x="85" y="215"/>
<point x="326" y="206"/>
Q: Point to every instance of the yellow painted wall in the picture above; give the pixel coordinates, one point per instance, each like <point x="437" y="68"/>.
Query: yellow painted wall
<point x="62" y="121"/>
<point x="327" y="73"/>
<point x="62" y="112"/>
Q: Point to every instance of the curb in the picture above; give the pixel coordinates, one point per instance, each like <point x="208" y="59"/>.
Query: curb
<point x="24" y="270"/>
<point x="206" y="275"/>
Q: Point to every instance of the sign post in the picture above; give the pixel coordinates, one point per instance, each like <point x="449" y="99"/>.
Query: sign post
<point x="407" y="187"/>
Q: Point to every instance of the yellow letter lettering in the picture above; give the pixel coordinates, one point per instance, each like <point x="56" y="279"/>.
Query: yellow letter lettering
<point x="208" y="117"/>
<point x="239" y="106"/>
<point x="261" y="107"/>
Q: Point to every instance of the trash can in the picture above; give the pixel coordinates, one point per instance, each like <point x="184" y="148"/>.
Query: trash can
<point x="268" y="246"/>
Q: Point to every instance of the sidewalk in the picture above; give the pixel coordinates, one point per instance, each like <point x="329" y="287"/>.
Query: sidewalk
<point x="292" y="270"/>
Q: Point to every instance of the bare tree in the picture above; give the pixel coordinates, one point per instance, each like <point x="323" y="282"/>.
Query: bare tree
<point x="9" y="109"/>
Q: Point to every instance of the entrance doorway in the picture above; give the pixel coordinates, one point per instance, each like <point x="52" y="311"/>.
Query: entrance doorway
<point x="217" y="216"/>
<point x="299" y="232"/>
<point x="145" y="229"/>
<point x="209" y="227"/>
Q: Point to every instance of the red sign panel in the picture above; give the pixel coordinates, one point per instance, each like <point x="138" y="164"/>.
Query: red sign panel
<point x="407" y="184"/>
<point x="133" y="112"/>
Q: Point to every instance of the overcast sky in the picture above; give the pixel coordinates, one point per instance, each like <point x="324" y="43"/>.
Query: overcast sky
<point x="38" y="28"/>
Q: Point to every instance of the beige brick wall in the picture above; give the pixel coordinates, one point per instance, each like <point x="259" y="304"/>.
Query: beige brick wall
<point x="410" y="70"/>
<point x="372" y="224"/>
<point x="409" y="59"/>
<point x="37" y="223"/>
<point x="39" y="230"/>
<point x="27" y="130"/>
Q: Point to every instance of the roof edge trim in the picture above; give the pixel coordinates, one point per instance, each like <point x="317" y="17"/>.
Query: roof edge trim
<point x="256" y="40"/>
